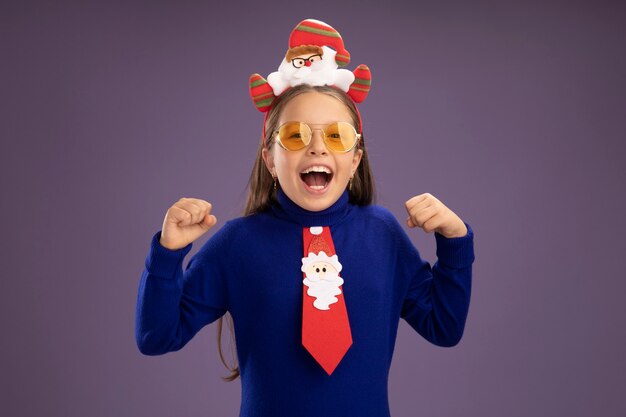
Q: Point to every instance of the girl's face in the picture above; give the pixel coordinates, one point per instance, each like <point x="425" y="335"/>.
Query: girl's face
<point x="313" y="192"/>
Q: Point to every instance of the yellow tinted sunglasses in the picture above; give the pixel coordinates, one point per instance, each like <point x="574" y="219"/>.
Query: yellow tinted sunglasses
<point x="338" y="136"/>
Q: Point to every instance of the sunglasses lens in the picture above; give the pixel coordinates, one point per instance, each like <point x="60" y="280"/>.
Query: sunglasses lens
<point x="340" y="137"/>
<point x="294" y="135"/>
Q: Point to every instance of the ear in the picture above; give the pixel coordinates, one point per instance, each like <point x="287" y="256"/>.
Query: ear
<point x="356" y="160"/>
<point x="268" y="158"/>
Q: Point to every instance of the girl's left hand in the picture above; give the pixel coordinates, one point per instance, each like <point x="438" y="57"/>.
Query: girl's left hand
<point x="432" y="215"/>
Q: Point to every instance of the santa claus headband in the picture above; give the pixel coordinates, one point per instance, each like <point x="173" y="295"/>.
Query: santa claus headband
<point x="316" y="50"/>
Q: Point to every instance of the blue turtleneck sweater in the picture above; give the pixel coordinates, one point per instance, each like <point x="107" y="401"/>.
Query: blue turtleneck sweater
<point x="251" y="268"/>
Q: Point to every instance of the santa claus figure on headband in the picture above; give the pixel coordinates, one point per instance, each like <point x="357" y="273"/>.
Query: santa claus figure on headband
<point x="316" y="51"/>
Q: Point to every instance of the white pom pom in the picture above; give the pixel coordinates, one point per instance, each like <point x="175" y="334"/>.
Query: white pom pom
<point x="316" y="230"/>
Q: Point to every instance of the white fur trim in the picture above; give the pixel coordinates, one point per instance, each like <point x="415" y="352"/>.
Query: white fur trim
<point x="316" y="230"/>
<point x="321" y="257"/>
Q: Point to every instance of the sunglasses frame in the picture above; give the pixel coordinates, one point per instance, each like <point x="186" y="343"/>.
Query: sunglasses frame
<point x="305" y="60"/>
<point x="276" y="136"/>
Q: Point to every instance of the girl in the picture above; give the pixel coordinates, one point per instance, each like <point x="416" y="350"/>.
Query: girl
<point x="321" y="345"/>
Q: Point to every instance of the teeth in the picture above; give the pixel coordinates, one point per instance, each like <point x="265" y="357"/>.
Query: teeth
<point x="316" y="168"/>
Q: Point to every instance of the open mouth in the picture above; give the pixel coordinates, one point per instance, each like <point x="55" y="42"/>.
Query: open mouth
<point x="316" y="177"/>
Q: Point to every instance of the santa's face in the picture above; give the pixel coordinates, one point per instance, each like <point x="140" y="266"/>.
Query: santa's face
<point x="300" y="67"/>
<point x="310" y="68"/>
<point x="321" y="271"/>
<point x="291" y="167"/>
<point x="323" y="282"/>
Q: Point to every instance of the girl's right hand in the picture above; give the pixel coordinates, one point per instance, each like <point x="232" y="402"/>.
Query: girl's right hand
<point x="186" y="221"/>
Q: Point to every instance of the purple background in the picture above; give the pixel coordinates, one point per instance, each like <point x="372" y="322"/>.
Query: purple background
<point x="511" y="113"/>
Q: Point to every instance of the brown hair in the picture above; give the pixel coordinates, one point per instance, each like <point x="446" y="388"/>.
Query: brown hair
<point x="303" y="49"/>
<point x="261" y="192"/>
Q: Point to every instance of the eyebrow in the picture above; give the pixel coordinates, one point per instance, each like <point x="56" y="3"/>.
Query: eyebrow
<point x="307" y="58"/>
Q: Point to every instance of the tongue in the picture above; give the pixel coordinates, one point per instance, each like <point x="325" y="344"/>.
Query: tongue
<point x="315" y="178"/>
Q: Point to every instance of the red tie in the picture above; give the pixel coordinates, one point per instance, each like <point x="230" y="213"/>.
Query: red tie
<point x="325" y="326"/>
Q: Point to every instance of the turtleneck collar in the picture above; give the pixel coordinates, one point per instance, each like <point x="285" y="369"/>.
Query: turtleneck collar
<point x="334" y="214"/>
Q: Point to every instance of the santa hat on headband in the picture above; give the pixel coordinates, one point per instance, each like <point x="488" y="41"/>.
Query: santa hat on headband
<point x="316" y="50"/>
<point x="314" y="32"/>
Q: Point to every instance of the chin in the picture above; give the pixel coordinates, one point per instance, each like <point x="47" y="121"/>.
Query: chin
<point x="318" y="201"/>
<point x="317" y="204"/>
<point x="317" y="197"/>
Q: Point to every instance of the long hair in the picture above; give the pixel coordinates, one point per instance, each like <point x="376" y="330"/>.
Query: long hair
<point x="261" y="190"/>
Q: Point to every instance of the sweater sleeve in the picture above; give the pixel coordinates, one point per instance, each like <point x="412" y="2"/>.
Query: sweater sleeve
<point x="172" y="305"/>
<point x="437" y="300"/>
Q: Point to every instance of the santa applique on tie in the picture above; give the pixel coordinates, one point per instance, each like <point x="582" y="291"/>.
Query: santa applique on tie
<point x="325" y="327"/>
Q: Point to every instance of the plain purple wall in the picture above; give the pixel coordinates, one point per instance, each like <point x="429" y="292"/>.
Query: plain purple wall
<point x="511" y="113"/>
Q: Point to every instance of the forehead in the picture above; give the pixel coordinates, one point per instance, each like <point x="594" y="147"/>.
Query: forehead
<point x="315" y="108"/>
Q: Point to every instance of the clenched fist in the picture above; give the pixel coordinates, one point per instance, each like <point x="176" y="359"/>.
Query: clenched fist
<point x="186" y="221"/>
<point x="430" y="214"/>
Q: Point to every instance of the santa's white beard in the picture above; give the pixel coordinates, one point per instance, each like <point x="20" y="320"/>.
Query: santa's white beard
<point x="324" y="291"/>
<point x="299" y="73"/>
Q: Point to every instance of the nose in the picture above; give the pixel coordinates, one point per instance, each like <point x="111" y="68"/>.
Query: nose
<point x="317" y="145"/>
<point x="307" y="63"/>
